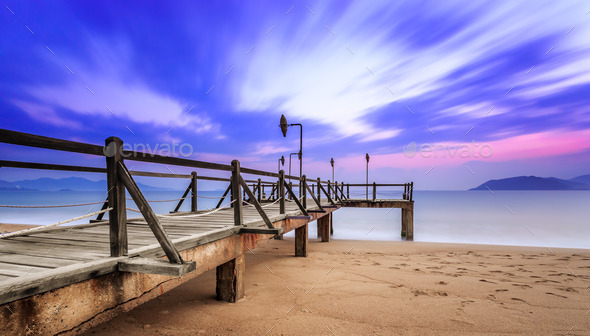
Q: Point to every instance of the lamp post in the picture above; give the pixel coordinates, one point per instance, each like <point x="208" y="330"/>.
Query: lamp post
<point x="332" y="163"/>
<point x="281" y="161"/>
<point x="290" y="164"/>
<point x="367" y="186"/>
<point x="284" y="126"/>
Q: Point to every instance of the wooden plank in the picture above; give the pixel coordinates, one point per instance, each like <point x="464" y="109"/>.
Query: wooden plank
<point x="45" y="261"/>
<point x="236" y="193"/>
<point x="32" y="140"/>
<point x="156" y="266"/>
<point x="257" y="230"/>
<point x="149" y="215"/>
<point x="50" y="166"/>
<point x="255" y="203"/>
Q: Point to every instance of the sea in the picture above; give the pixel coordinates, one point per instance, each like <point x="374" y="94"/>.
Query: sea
<point x="523" y="218"/>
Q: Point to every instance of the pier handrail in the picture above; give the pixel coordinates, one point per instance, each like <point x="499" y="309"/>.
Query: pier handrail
<point x="120" y="179"/>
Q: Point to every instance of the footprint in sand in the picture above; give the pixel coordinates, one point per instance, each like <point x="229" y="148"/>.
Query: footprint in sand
<point x="488" y="281"/>
<point x="518" y="299"/>
<point x="491" y="297"/>
<point x="442" y="283"/>
<point x="393" y="267"/>
<point x="561" y="296"/>
<point x="501" y="290"/>
<point x="522" y="285"/>
<point x="545" y="281"/>
<point x="418" y="292"/>
<point x="568" y="289"/>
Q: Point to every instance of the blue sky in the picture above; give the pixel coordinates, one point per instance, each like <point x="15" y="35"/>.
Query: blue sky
<point x="360" y="76"/>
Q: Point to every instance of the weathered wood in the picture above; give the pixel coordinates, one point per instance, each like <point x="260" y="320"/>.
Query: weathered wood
<point x="188" y="189"/>
<point x="282" y="191"/>
<point x="32" y="140"/>
<point x="116" y="195"/>
<point x="374" y="191"/>
<point x="317" y="202"/>
<point x="50" y="166"/>
<point x="236" y="193"/>
<point x="149" y="215"/>
<point x="154" y="174"/>
<point x="104" y="206"/>
<point x="301" y="240"/>
<point x="320" y="186"/>
<point x="194" y="191"/>
<point x="324" y="225"/>
<point x="408" y="222"/>
<point x="230" y="280"/>
<point x="223" y="197"/>
<point x="255" y="203"/>
<point x="155" y="266"/>
<point x="303" y="192"/>
<point x="290" y="191"/>
<point x="261" y="230"/>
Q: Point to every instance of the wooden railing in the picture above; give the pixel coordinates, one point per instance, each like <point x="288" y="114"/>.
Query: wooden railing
<point x="120" y="179"/>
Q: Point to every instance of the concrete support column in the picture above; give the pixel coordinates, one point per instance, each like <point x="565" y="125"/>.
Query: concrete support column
<point x="324" y="225"/>
<point x="301" y="241"/>
<point x="230" y="280"/>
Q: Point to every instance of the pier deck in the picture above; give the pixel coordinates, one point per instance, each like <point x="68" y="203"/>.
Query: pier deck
<point x="64" y="279"/>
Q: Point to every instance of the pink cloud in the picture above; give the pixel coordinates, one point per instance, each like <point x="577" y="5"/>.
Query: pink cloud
<point x="521" y="147"/>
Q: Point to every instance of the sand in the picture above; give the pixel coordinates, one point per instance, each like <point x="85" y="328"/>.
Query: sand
<point x="381" y="288"/>
<point x="5" y="228"/>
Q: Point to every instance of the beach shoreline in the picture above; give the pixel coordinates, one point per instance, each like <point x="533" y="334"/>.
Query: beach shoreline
<point x="381" y="288"/>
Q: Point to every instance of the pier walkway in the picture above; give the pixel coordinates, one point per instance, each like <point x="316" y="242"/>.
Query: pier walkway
<point x="64" y="279"/>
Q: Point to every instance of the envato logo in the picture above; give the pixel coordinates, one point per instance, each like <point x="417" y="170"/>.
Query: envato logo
<point x="427" y="150"/>
<point x="164" y="149"/>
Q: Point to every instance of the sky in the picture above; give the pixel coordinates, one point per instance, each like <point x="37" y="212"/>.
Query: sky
<point x="448" y="94"/>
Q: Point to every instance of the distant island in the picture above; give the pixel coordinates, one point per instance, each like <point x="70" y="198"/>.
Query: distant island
<point x="537" y="183"/>
<point x="65" y="185"/>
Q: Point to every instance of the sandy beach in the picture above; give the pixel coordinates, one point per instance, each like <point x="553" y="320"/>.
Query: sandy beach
<point x="381" y="288"/>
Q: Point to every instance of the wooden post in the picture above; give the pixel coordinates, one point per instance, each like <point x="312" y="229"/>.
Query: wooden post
<point x="290" y="186"/>
<point x="374" y="191"/>
<point x="281" y="191"/>
<point x="348" y="190"/>
<point x="281" y="195"/>
<point x="331" y="225"/>
<point x="194" y="191"/>
<point x="303" y="191"/>
<point x="301" y="241"/>
<point x="236" y="193"/>
<point x="329" y="195"/>
<point x="319" y="191"/>
<point x="411" y="191"/>
<point x="324" y="224"/>
<point x="408" y="221"/>
<point x="116" y="195"/>
<point x="259" y="191"/>
<point x="230" y="280"/>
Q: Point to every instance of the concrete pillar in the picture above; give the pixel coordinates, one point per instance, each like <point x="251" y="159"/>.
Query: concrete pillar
<point x="324" y="224"/>
<point x="301" y="241"/>
<point x="230" y="280"/>
<point x="408" y="221"/>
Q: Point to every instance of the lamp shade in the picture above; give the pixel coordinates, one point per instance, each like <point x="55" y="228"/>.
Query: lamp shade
<point x="282" y="160"/>
<point x="284" y="125"/>
<point x="367" y="157"/>
<point x="332" y="162"/>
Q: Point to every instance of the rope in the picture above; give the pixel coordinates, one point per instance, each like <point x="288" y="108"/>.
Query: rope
<point x="49" y="206"/>
<point x="199" y="215"/>
<point x="130" y="209"/>
<point x="41" y="228"/>
<point x="178" y="199"/>
<point x="209" y="197"/>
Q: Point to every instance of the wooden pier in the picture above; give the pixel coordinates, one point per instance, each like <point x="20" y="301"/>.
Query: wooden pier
<point x="65" y="279"/>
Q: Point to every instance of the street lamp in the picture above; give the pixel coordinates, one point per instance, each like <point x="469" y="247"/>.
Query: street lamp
<point x="367" y="157"/>
<point x="290" y="164"/>
<point x="281" y="161"/>
<point x="332" y="163"/>
<point x="284" y="125"/>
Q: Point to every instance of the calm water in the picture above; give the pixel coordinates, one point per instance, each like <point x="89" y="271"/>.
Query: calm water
<point x="531" y="218"/>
